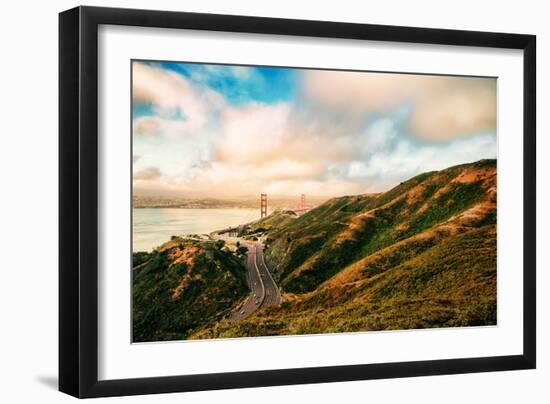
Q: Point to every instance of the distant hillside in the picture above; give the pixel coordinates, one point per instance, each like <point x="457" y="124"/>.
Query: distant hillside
<point x="252" y="202"/>
<point x="421" y="255"/>
<point x="182" y="285"/>
<point x="277" y="220"/>
<point x="139" y="202"/>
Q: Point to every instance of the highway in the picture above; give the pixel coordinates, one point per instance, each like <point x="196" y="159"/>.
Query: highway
<point x="264" y="290"/>
<point x="272" y="292"/>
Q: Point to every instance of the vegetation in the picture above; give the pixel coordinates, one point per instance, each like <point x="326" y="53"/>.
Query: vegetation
<point x="442" y="287"/>
<point x="182" y="285"/>
<point x="277" y="220"/>
<point x="421" y="255"/>
<point x="311" y="249"/>
<point x="241" y="250"/>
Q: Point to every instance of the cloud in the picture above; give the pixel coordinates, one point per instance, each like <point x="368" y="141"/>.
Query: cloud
<point x="260" y="134"/>
<point x="172" y="94"/>
<point x="341" y="133"/>
<point x="252" y="133"/>
<point x="156" y="126"/>
<point x="441" y="107"/>
<point x="274" y="147"/>
<point x="466" y="106"/>
<point x="147" y="174"/>
<point x="405" y="158"/>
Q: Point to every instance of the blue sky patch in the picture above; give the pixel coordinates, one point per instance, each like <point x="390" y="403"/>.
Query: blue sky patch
<point x="140" y="110"/>
<point x="241" y="84"/>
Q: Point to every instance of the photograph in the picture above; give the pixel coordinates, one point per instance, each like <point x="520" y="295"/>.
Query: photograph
<point x="242" y="201"/>
<point x="271" y="201"/>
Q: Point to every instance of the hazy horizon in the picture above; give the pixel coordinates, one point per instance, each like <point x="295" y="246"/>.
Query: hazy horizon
<point x="233" y="132"/>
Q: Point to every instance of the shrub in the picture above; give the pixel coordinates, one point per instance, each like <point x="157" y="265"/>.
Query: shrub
<point x="242" y="250"/>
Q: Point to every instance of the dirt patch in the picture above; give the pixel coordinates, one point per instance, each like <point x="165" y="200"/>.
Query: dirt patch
<point x="355" y="272"/>
<point x="475" y="214"/>
<point x="357" y="224"/>
<point x="471" y="175"/>
<point x="415" y="194"/>
<point x="291" y="297"/>
<point x="186" y="256"/>
<point x="184" y="283"/>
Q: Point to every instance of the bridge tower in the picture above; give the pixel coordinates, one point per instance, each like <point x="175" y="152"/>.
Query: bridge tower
<point x="303" y="202"/>
<point x="263" y="206"/>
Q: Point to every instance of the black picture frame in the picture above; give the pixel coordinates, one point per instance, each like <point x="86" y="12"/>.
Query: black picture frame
<point x="78" y="201"/>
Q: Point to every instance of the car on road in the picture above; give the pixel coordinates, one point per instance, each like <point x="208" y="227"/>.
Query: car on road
<point x="242" y="311"/>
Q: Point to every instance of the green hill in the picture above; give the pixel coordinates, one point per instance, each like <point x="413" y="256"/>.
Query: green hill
<point x="421" y="255"/>
<point x="277" y="220"/>
<point x="322" y="242"/>
<point x="182" y="285"/>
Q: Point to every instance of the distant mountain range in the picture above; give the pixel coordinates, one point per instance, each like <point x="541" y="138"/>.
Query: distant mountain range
<point x="421" y="255"/>
<point x="213" y="203"/>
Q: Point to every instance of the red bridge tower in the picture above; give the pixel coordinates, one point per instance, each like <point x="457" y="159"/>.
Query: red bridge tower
<point x="263" y="206"/>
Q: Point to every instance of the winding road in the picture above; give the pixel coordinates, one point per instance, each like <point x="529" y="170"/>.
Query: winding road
<point x="265" y="292"/>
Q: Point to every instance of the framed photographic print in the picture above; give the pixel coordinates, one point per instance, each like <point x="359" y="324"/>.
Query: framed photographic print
<point x="251" y="201"/>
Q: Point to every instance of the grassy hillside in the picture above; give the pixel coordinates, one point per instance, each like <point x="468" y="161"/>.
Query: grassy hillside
<point x="182" y="285"/>
<point x="420" y="255"/>
<point x="319" y="244"/>
<point x="277" y="220"/>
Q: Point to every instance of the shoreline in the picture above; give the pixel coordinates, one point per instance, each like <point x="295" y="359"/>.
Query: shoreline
<point x="195" y="207"/>
<point x="154" y="226"/>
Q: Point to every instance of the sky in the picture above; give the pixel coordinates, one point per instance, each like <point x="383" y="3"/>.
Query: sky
<point x="224" y="131"/>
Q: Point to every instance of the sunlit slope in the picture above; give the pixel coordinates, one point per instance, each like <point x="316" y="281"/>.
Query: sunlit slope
<point x="316" y="246"/>
<point x="277" y="220"/>
<point x="421" y="255"/>
<point x="181" y="285"/>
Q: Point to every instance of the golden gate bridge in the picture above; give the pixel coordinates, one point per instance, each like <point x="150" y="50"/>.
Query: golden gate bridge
<point x="300" y="209"/>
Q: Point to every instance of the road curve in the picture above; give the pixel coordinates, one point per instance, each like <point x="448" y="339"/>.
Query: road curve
<point x="264" y="290"/>
<point x="272" y="292"/>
